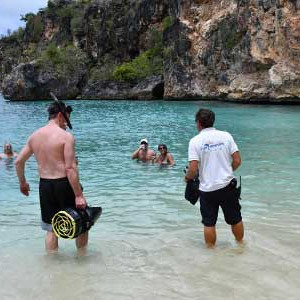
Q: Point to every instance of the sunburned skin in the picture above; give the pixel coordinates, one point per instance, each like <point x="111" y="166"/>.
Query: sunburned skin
<point x="143" y="153"/>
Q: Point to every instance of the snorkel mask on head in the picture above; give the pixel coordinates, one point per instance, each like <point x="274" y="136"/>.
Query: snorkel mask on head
<point x="62" y="110"/>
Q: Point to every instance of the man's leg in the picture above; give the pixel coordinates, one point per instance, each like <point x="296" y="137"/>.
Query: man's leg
<point x="238" y="231"/>
<point x="232" y="213"/>
<point x="210" y="236"/>
<point x="51" y="242"/>
<point x="82" y="240"/>
<point x="209" y="208"/>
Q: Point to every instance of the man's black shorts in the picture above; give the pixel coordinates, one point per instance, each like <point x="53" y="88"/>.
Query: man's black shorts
<point x="55" y="195"/>
<point x="228" y="199"/>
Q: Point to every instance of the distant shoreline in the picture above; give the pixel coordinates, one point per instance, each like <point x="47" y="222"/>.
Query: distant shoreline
<point x="233" y="101"/>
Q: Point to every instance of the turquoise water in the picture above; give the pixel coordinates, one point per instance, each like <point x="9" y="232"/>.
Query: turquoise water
<point x="149" y="241"/>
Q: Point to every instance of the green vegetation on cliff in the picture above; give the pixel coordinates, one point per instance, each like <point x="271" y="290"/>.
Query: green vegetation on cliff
<point x="146" y="64"/>
<point x="149" y="62"/>
<point x="34" y="26"/>
<point x="167" y="22"/>
<point x="108" y="40"/>
<point x="64" y="61"/>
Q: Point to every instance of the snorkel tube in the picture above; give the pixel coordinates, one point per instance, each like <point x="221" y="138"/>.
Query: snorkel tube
<point x="62" y="110"/>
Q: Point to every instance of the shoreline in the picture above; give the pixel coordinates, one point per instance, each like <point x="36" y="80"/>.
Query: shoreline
<point x="265" y="101"/>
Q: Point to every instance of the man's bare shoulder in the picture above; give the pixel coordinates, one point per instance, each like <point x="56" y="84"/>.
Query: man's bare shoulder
<point x="35" y="135"/>
<point x="69" y="137"/>
<point x="50" y="131"/>
<point x="38" y="131"/>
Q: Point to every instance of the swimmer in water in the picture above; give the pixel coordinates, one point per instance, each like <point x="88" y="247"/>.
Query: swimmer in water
<point x="143" y="153"/>
<point x="8" y="151"/>
<point x="164" y="157"/>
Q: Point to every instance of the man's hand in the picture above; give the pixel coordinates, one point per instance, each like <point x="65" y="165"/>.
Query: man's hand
<point x="236" y="160"/>
<point x="24" y="188"/>
<point x="80" y="202"/>
<point x="20" y="167"/>
<point x="191" y="171"/>
<point x="186" y="179"/>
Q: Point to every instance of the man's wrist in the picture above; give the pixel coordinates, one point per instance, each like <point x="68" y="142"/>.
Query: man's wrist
<point x="22" y="181"/>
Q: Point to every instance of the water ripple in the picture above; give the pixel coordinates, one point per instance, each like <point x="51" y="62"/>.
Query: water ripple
<point x="148" y="233"/>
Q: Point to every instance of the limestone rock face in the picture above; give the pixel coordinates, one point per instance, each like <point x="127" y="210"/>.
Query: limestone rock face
<point x="106" y="90"/>
<point x="240" y="50"/>
<point x="30" y="82"/>
<point x="147" y="89"/>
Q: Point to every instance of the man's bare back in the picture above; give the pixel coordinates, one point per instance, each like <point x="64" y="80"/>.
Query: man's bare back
<point x="48" y="144"/>
<point x="54" y="150"/>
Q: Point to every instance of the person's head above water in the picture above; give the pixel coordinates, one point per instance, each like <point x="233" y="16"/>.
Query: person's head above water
<point x="144" y="141"/>
<point x="58" y="107"/>
<point x="144" y="144"/>
<point x="7" y="148"/>
<point x="162" y="147"/>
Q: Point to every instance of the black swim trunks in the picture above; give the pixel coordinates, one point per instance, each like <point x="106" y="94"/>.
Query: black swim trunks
<point x="228" y="199"/>
<point x="55" y="195"/>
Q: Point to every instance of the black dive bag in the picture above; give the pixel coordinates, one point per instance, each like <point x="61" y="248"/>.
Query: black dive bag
<point x="71" y="222"/>
<point x="192" y="191"/>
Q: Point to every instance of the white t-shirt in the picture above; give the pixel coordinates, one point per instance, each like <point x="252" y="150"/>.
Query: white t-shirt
<point x="213" y="149"/>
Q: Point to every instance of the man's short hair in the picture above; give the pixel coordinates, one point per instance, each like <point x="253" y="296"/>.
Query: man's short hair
<point x="206" y="117"/>
<point x="54" y="108"/>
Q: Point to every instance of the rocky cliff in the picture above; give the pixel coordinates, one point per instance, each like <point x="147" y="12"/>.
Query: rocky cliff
<point x="150" y="49"/>
<point x="243" y="50"/>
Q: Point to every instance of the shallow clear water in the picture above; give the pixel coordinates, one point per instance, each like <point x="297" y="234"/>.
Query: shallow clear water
<point x="149" y="241"/>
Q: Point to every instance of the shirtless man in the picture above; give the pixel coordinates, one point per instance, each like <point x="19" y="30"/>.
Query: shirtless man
<point x="143" y="153"/>
<point x="53" y="149"/>
<point x="8" y="151"/>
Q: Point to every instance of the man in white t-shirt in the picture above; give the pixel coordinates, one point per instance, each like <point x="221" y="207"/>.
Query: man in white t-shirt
<point x="215" y="155"/>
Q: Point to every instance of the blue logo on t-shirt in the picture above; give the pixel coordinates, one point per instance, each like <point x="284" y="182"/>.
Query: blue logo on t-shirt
<point x="206" y="147"/>
<point x="212" y="147"/>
